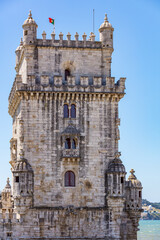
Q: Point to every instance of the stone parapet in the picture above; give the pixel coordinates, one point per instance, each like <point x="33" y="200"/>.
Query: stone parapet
<point x="56" y="84"/>
<point x="68" y="43"/>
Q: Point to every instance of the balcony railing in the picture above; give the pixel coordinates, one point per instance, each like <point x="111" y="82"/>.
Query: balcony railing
<point x="69" y="153"/>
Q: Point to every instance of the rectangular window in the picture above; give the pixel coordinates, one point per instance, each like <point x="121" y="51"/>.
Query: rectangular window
<point x="17" y="179"/>
<point x="140" y="194"/>
<point x="122" y="180"/>
<point x="9" y="234"/>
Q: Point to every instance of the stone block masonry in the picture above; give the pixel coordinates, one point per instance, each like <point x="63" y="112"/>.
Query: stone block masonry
<point x="68" y="179"/>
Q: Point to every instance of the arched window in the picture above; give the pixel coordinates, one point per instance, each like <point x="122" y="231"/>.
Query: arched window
<point x="67" y="74"/>
<point x="73" y="111"/>
<point x="68" y="143"/>
<point x="69" y="179"/>
<point x="66" y="111"/>
<point x="73" y="144"/>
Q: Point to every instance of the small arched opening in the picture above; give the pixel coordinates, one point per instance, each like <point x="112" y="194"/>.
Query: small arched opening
<point x="69" y="179"/>
<point x="66" y="111"/>
<point x="73" y="111"/>
<point x="67" y="73"/>
<point x="68" y="143"/>
<point x="73" y="144"/>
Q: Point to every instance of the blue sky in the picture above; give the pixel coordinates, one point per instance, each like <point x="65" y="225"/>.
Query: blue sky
<point x="136" y="56"/>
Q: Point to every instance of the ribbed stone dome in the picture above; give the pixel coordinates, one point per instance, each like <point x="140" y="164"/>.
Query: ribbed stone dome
<point x="116" y="165"/>
<point x="22" y="165"/>
<point x="105" y="24"/>
<point x="134" y="180"/>
<point x="29" y="20"/>
<point x="7" y="187"/>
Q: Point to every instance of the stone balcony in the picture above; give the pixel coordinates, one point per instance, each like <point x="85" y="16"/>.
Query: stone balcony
<point x="55" y="86"/>
<point x="70" y="153"/>
<point x="49" y="83"/>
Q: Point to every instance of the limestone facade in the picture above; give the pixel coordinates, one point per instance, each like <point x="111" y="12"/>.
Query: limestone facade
<point x="68" y="179"/>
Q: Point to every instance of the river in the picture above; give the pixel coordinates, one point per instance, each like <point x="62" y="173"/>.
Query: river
<point x="149" y="230"/>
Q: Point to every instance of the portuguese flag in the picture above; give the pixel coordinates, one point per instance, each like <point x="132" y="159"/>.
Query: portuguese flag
<point x="51" y="20"/>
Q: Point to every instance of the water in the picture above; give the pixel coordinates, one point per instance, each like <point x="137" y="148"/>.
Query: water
<point x="149" y="230"/>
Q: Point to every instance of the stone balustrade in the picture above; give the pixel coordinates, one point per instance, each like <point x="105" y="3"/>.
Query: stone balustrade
<point x="47" y="83"/>
<point x="69" y="153"/>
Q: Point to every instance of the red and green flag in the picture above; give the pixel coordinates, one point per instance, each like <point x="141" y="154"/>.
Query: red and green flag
<point x="51" y="20"/>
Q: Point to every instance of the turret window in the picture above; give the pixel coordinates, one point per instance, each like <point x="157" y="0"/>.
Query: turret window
<point x="69" y="179"/>
<point x="122" y="180"/>
<point x="25" y="33"/>
<point x="140" y="194"/>
<point x="17" y="179"/>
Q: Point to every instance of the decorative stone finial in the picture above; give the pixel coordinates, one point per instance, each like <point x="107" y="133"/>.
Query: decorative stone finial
<point x="132" y="176"/>
<point x="76" y="36"/>
<point x="43" y="34"/>
<point x="61" y="36"/>
<point x="8" y="183"/>
<point x="92" y="36"/>
<point x="53" y="36"/>
<point x="106" y="18"/>
<point x="84" y="36"/>
<point x="117" y="154"/>
<point x="68" y="36"/>
<point x="132" y="171"/>
<point x="30" y="15"/>
<point x="21" y="42"/>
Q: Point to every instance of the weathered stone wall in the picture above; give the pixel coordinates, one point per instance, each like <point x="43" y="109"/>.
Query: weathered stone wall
<point x="42" y="127"/>
<point x="102" y="204"/>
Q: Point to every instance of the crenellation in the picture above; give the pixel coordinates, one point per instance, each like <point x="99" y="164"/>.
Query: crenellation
<point x="44" y="37"/>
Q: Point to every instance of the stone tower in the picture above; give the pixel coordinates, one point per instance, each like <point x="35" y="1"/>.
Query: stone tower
<point x="68" y="179"/>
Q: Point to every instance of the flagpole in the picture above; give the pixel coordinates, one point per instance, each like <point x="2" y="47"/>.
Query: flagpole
<point x="93" y="20"/>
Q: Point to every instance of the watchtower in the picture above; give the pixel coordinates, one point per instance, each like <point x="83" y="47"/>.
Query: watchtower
<point x="68" y="179"/>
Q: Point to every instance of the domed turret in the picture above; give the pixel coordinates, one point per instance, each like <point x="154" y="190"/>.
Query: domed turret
<point x="134" y="180"/>
<point x="133" y="192"/>
<point x="116" y="166"/>
<point x="22" y="184"/>
<point x="116" y="177"/>
<point x="7" y="196"/>
<point x="106" y="33"/>
<point x="29" y="30"/>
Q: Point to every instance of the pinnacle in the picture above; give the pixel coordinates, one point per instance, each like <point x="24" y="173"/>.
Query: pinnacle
<point x="106" y="18"/>
<point x="132" y="171"/>
<point x="132" y="176"/>
<point x="30" y="15"/>
<point x="8" y="183"/>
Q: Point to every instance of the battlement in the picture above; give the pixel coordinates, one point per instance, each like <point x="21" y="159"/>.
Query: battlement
<point x="68" y="43"/>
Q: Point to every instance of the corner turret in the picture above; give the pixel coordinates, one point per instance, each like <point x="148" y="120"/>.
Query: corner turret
<point x="22" y="184"/>
<point x="7" y="197"/>
<point x="133" y="193"/>
<point x="106" y="33"/>
<point x="29" y="30"/>
<point x="116" y="178"/>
